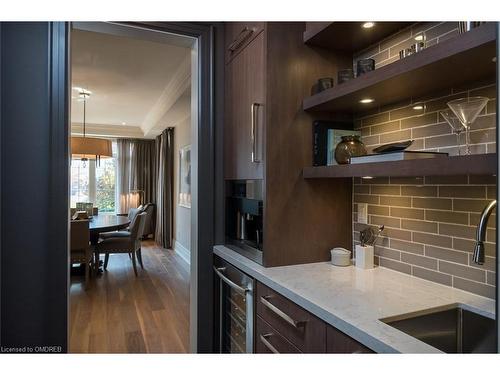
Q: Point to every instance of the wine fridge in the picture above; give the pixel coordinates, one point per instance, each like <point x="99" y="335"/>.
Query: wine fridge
<point x="235" y="308"/>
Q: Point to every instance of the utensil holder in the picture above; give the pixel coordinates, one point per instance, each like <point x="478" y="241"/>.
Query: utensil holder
<point x="364" y="257"/>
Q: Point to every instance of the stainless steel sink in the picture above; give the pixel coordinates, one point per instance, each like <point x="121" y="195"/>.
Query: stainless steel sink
<point x="451" y="329"/>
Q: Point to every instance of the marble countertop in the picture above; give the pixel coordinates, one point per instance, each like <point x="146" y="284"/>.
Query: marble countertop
<point x="354" y="300"/>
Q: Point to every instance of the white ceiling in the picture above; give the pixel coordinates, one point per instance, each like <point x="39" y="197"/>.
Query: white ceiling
<point x="133" y="82"/>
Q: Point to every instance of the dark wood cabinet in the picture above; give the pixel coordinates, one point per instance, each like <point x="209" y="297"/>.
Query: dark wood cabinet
<point x="238" y="35"/>
<point x="266" y="80"/>
<point x="301" y="328"/>
<point x="338" y="342"/>
<point x="268" y="340"/>
<point x="284" y="327"/>
<point x="245" y="108"/>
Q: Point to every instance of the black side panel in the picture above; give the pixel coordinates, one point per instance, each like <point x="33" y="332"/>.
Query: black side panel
<point x="34" y="185"/>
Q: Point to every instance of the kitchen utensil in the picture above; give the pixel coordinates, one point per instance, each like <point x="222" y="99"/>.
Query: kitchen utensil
<point x="456" y="125"/>
<point x="391" y="147"/>
<point x="365" y="66"/>
<point x="369" y="235"/>
<point x="325" y="84"/>
<point x="344" y="75"/>
<point x="350" y="146"/>
<point x="467" y="110"/>
<point x="340" y="257"/>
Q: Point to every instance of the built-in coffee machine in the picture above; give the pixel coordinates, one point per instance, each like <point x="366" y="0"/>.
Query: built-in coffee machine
<point x="244" y="217"/>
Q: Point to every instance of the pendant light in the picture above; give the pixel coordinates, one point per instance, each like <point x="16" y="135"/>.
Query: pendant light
<point x="85" y="148"/>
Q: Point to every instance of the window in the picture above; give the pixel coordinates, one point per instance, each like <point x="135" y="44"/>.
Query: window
<point x="95" y="183"/>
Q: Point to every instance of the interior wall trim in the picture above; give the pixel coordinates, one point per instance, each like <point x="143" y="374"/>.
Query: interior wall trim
<point x="183" y="252"/>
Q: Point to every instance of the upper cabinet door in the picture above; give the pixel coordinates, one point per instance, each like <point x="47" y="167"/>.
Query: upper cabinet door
<point x="238" y="35"/>
<point x="245" y="113"/>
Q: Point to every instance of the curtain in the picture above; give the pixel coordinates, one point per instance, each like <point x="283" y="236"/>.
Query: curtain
<point x="165" y="189"/>
<point x="144" y="173"/>
<point x="125" y="200"/>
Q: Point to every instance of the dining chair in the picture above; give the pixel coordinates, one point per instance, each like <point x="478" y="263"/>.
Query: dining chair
<point x="132" y="213"/>
<point x="126" y="241"/>
<point x="80" y="251"/>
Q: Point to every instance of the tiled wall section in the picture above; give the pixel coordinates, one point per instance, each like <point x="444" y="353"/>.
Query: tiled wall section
<point x="430" y="226"/>
<point x="426" y="126"/>
<point x="387" y="51"/>
<point x="430" y="221"/>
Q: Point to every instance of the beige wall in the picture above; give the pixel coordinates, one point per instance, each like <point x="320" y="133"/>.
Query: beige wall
<point x="430" y="221"/>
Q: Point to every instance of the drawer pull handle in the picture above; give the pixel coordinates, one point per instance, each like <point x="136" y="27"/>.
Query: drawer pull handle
<point x="281" y="314"/>
<point x="263" y="339"/>
<point x="242" y="37"/>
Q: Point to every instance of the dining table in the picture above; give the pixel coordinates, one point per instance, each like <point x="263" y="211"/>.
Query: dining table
<point x="105" y="223"/>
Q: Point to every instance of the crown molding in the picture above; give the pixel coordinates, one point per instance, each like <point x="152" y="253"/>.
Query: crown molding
<point x="177" y="86"/>
<point x="109" y="131"/>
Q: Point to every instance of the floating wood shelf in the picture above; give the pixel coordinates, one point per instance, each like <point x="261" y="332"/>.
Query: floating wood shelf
<point x="348" y="36"/>
<point x="459" y="60"/>
<point x="484" y="164"/>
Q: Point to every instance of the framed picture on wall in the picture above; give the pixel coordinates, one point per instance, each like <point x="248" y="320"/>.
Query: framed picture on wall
<point x="185" y="176"/>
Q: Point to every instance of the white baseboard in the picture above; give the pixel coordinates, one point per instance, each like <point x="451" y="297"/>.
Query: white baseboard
<point x="183" y="252"/>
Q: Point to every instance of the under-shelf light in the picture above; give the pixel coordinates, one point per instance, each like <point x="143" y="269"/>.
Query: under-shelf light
<point x="366" y="101"/>
<point x="368" y="25"/>
<point x="367" y="177"/>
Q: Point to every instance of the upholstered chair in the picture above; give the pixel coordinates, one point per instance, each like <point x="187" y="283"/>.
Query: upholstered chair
<point x="126" y="241"/>
<point x="149" y="228"/>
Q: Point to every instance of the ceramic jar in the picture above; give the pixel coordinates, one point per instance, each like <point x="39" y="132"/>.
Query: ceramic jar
<point x="350" y="146"/>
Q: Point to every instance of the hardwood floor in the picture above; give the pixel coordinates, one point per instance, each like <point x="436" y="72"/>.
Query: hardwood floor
<point x="121" y="313"/>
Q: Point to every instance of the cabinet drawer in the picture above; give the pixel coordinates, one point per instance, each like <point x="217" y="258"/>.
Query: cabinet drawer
<point x="238" y="35"/>
<point x="339" y="342"/>
<point x="268" y="340"/>
<point x="302" y="329"/>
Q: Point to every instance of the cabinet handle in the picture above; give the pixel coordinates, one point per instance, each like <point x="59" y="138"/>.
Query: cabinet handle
<point x="263" y="339"/>
<point x="242" y="37"/>
<point x="253" y="112"/>
<point x="281" y="314"/>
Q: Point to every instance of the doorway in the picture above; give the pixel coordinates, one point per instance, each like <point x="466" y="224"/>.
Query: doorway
<point x="141" y="322"/>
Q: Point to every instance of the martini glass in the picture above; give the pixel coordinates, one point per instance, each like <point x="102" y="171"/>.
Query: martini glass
<point x="455" y="124"/>
<point x="467" y="110"/>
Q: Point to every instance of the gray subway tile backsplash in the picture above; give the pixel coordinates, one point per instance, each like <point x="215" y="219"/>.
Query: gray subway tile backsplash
<point x="430" y="221"/>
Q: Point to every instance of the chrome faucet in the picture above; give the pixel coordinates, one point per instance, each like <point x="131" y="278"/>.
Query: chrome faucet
<point x="478" y="256"/>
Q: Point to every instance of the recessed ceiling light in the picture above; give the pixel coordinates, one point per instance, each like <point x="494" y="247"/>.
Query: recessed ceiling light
<point x="418" y="107"/>
<point x="366" y="101"/>
<point x="368" y="25"/>
<point x="124" y="123"/>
